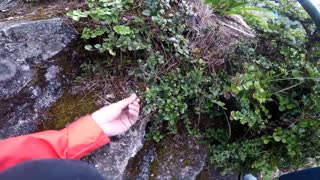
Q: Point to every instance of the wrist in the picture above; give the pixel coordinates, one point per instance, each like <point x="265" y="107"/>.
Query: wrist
<point x="98" y="121"/>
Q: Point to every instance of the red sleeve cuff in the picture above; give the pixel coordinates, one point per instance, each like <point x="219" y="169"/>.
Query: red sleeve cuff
<point x="85" y="136"/>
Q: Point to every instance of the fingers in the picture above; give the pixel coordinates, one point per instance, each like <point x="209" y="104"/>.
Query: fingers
<point x="134" y="115"/>
<point x="133" y="110"/>
<point x="125" y="102"/>
<point x="134" y="107"/>
<point x="136" y="103"/>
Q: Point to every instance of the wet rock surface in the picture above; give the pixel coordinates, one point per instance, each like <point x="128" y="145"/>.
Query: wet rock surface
<point x="32" y="73"/>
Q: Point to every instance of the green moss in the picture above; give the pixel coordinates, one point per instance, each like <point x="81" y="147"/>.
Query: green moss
<point x="161" y="153"/>
<point x="154" y="169"/>
<point x="133" y="168"/>
<point x="66" y="109"/>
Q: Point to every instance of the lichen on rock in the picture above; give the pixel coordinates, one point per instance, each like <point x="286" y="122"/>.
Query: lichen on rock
<point x="7" y="70"/>
<point x="25" y="44"/>
<point x="31" y="77"/>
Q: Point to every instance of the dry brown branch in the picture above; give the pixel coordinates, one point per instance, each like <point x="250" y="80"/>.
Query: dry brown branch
<point x="214" y="34"/>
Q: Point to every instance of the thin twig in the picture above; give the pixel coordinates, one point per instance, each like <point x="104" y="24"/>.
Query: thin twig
<point x="105" y="100"/>
<point x="299" y="78"/>
<point x="236" y="29"/>
<point x="243" y="135"/>
<point x="229" y="126"/>
<point x="285" y="89"/>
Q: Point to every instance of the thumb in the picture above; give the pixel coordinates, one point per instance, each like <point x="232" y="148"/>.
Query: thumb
<point x="125" y="102"/>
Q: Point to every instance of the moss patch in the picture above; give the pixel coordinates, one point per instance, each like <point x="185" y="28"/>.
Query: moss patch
<point x="66" y="109"/>
<point x="133" y="167"/>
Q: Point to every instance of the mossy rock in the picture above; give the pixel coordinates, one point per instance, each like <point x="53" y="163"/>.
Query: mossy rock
<point x="67" y="109"/>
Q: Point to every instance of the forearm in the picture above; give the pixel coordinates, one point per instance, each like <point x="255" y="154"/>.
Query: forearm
<point x="77" y="140"/>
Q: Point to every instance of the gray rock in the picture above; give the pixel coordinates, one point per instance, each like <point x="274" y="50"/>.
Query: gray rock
<point x="25" y="44"/>
<point x="211" y="172"/>
<point x="145" y="166"/>
<point x="31" y="73"/>
<point x="7" y="4"/>
<point x="112" y="159"/>
<point x="181" y="159"/>
<point x="7" y="70"/>
<point x="178" y="157"/>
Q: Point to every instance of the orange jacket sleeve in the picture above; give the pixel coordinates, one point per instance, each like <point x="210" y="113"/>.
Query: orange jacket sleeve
<point x="77" y="140"/>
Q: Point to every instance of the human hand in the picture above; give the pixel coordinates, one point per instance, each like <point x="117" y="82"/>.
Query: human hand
<point x="117" y="118"/>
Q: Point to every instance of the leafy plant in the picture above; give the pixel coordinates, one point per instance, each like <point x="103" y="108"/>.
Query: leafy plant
<point x="226" y="6"/>
<point x="114" y="36"/>
<point x="284" y="148"/>
<point x="234" y="7"/>
<point x="259" y="112"/>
